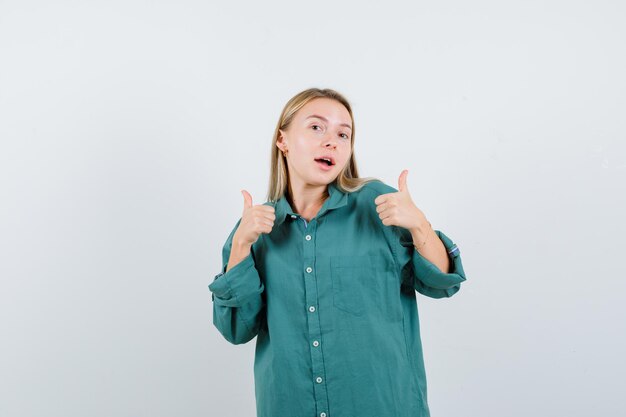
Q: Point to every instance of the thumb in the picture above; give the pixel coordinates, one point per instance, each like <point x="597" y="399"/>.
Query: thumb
<point x="402" y="181"/>
<point x="247" y="199"/>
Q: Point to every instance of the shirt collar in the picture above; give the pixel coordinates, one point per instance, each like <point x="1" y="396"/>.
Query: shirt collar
<point x="336" y="198"/>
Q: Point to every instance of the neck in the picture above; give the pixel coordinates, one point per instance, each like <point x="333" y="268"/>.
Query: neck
<point x="307" y="200"/>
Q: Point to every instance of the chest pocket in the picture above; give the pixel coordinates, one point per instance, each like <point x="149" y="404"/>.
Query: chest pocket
<point x="366" y="286"/>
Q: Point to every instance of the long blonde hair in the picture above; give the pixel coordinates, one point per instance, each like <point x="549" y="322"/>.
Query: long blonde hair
<point x="348" y="179"/>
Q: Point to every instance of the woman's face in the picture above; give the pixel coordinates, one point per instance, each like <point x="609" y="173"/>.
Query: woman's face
<point x="322" y="128"/>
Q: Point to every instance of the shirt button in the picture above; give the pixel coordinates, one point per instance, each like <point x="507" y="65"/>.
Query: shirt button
<point x="316" y="343"/>
<point x="308" y="237"/>
<point x="293" y="217"/>
<point x="322" y="414"/>
<point x="312" y="309"/>
<point x="318" y="379"/>
<point x="309" y="269"/>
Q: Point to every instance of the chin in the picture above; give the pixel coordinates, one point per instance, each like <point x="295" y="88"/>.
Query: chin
<point x="323" y="182"/>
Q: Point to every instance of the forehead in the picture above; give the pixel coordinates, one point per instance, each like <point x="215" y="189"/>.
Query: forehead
<point x="331" y="109"/>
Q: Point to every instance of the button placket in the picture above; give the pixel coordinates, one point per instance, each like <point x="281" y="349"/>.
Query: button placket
<point x="313" y="321"/>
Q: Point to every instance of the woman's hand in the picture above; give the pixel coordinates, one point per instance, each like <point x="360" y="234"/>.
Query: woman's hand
<point x="254" y="221"/>
<point x="398" y="209"/>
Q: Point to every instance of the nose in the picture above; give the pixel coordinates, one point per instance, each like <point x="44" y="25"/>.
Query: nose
<point x="330" y="140"/>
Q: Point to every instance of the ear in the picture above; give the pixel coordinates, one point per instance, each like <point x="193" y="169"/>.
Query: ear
<point x="280" y="142"/>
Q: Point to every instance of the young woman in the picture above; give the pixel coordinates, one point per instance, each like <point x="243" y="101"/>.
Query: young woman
<point x="325" y="273"/>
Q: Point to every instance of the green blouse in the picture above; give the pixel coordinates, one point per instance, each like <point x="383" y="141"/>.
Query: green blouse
<point x="332" y="303"/>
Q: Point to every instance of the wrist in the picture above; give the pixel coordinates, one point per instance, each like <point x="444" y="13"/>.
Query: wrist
<point x="421" y="230"/>
<point x="239" y="245"/>
<point x="421" y="234"/>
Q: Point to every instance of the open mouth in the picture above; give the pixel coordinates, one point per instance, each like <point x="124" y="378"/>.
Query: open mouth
<point x="327" y="161"/>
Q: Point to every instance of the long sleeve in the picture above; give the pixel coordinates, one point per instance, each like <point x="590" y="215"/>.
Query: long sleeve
<point x="237" y="295"/>
<point x="423" y="275"/>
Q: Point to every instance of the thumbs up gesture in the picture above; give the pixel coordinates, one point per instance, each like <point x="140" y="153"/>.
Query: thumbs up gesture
<point x="398" y="209"/>
<point x="256" y="219"/>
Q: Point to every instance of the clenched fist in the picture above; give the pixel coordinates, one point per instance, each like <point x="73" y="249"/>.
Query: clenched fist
<point x="254" y="221"/>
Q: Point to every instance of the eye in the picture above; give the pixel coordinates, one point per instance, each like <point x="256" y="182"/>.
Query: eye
<point x="315" y="126"/>
<point x="346" y="136"/>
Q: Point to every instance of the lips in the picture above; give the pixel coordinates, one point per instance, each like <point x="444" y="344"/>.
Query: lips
<point x="326" y="159"/>
<point x="323" y="165"/>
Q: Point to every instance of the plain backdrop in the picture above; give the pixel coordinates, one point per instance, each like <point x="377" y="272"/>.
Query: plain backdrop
<point x="128" y="129"/>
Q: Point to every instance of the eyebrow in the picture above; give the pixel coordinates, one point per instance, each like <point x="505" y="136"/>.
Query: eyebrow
<point x="326" y="120"/>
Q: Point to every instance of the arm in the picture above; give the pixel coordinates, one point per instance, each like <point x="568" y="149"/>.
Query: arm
<point x="237" y="293"/>
<point x="431" y="247"/>
<point x="422" y="274"/>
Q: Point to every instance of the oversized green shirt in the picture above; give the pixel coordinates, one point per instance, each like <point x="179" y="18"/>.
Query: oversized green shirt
<point x="332" y="303"/>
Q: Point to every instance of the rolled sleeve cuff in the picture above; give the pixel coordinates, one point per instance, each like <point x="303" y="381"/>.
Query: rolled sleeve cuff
<point x="235" y="287"/>
<point x="430" y="275"/>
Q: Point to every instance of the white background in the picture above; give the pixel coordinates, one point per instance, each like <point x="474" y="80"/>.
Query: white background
<point x="128" y="129"/>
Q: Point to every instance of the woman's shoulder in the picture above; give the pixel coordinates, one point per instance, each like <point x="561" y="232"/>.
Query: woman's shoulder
<point x="375" y="187"/>
<point x="363" y="199"/>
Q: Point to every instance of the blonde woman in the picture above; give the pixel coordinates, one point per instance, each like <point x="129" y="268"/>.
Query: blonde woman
<point x="324" y="274"/>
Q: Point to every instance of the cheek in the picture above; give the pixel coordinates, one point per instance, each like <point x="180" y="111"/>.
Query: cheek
<point x="348" y="154"/>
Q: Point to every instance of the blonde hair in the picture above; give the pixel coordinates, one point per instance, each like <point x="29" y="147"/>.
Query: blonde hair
<point x="348" y="179"/>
